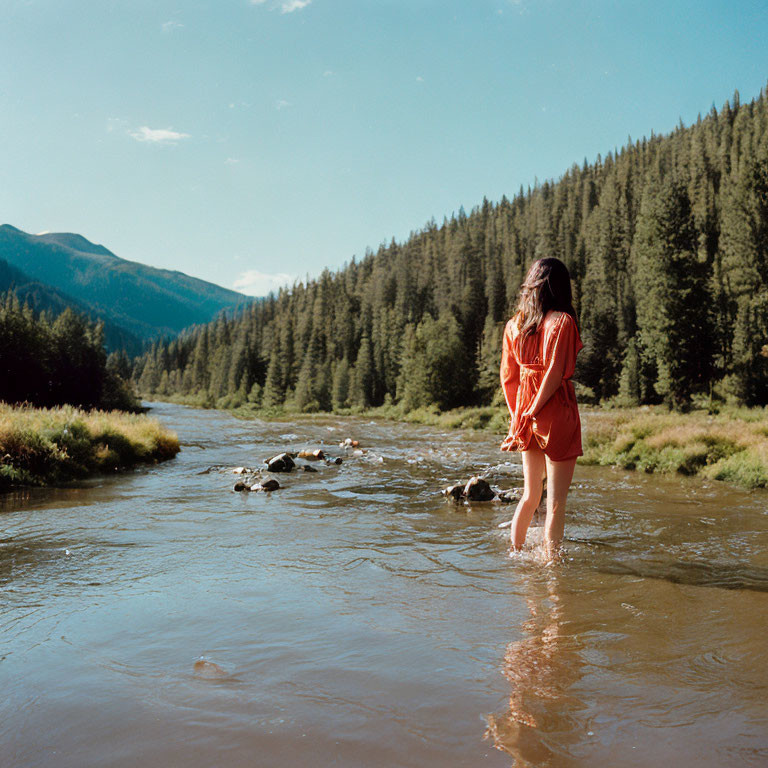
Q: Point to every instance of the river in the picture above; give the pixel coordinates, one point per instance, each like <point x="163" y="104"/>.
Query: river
<point x="356" y="618"/>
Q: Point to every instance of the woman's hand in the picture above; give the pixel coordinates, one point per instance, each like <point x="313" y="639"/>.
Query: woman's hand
<point x="521" y="424"/>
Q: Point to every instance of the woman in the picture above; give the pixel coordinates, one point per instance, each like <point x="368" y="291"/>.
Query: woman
<point x="538" y="358"/>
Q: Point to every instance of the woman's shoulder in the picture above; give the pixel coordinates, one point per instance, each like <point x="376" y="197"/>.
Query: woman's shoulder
<point x="511" y="328"/>
<point x="559" y="325"/>
<point x="556" y="318"/>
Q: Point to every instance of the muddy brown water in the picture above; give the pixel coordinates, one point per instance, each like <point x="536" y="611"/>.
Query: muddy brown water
<point x="356" y="618"/>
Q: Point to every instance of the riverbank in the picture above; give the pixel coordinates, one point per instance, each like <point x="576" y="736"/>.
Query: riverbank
<point x="45" y="446"/>
<point x="731" y="445"/>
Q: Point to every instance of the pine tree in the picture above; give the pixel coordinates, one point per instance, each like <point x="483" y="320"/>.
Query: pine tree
<point x="750" y="350"/>
<point x="673" y="303"/>
<point x="341" y="384"/>
<point x="362" y="381"/>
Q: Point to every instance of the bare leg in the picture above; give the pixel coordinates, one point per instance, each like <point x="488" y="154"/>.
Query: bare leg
<point x="533" y="473"/>
<point x="559" y="476"/>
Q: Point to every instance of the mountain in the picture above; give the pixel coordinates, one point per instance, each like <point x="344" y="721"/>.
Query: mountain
<point x="144" y="301"/>
<point x="46" y="298"/>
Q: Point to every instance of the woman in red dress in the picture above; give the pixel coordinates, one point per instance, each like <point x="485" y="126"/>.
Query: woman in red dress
<point x="538" y="358"/>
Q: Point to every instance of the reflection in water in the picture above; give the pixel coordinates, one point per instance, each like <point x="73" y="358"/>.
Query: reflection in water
<point x="539" y="724"/>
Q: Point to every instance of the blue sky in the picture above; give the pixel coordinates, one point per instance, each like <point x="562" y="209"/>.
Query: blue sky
<point x="250" y="143"/>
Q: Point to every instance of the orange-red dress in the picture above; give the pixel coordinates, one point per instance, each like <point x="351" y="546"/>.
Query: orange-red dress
<point x="556" y="428"/>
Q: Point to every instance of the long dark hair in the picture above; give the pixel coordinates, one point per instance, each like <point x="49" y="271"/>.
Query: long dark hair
<point x="547" y="286"/>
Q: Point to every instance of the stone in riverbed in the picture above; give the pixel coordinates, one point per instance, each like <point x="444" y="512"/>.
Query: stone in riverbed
<point x="315" y="455"/>
<point x="337" y="460"/>
<point x="280" y="463"/>
<point x="241" y="486"/>
<point x="478" y="489"/>
<point x="307" y="468"/>
<point x="209" y="670"/>
<point x="268" y="485"/>
<point x="510" y="496"/>
<point x="454" y="492"/>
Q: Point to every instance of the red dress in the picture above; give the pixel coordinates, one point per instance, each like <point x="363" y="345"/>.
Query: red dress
<point x="556" y="428"/>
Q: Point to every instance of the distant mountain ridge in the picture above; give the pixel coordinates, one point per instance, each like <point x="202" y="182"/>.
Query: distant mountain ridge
<point x="46" y="298"/>
<point x="144" y="301"/>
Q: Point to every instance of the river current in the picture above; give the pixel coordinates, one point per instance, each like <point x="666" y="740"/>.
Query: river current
<point x="355" y="617"/>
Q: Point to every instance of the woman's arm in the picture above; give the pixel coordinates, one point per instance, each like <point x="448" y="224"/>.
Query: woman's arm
<point x="549" y="385"/>
<point x="510" y="371"/>
<point x="553" y="377"/>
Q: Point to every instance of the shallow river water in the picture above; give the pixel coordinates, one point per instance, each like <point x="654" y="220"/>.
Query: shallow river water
<point x="357" y="618"/>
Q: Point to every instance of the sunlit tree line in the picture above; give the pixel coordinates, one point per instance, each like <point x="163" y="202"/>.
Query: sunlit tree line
<point x="667" y="243"/>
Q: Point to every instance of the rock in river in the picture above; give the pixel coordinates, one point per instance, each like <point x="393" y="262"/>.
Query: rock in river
<point x="510" y="496"/>
<point x="209" y="670"/>
<point x="241" y="486"/>
<point x="280" y="463"/>
<point x="454" y="492"/>
<point x="315" y="455"/>
<point x="268" y="485"/>
<point x="478" y="489"/>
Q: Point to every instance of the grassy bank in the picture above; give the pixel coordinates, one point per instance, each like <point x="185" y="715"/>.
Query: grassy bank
<point x="41" y="446"/>
<point x="731" y="445"/>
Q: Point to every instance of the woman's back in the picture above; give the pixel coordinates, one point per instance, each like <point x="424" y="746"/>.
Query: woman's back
<point x="557" y="428"/>
<point x="557" y="334"/>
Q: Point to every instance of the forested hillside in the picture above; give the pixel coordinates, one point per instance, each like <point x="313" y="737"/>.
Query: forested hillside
<point x="667" y="243"/>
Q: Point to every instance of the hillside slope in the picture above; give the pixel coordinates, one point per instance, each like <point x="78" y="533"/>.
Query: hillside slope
<point x="146" y="301"/>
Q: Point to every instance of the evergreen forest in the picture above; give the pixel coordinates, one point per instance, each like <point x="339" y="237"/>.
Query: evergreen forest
<point x="667" y="243"/>
<point x="47" y="361"/>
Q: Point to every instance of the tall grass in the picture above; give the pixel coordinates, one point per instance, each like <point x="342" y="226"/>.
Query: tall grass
<point x="39" y="446"/>
<point x="730" y="446"/>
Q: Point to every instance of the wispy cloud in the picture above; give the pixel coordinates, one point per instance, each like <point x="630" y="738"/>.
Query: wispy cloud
<point x="285" y="6"/>
<point x="419" y="79"/>
<point x="169" y="26"/>
<point x="158" y="135"/>
<point x="255" y="283"/>
<point x="289" y="6"/>
<point x="232" y="161"/>
<point x="283" y="104"/>
<point x="328" y="73"/>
